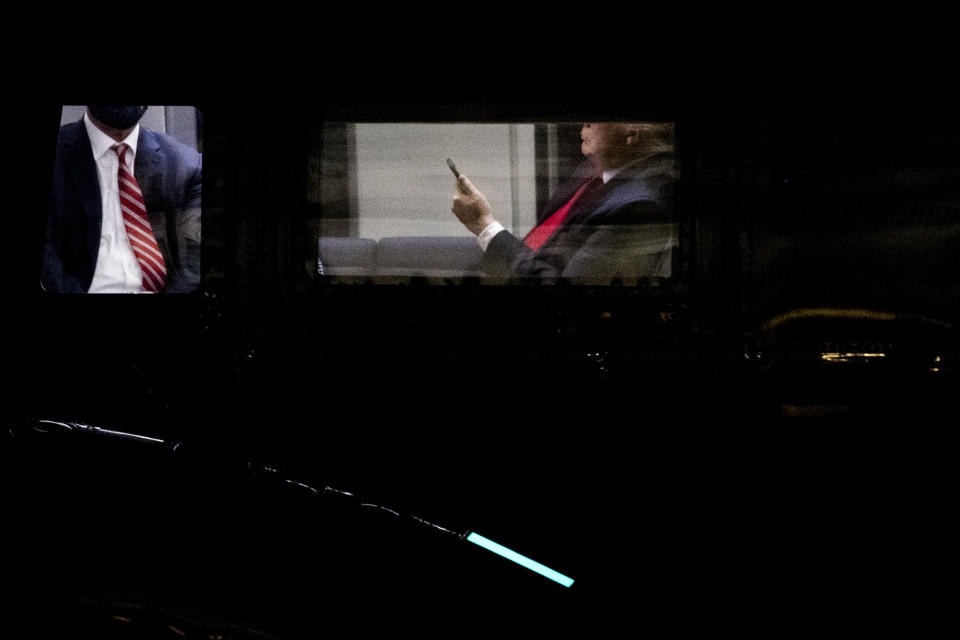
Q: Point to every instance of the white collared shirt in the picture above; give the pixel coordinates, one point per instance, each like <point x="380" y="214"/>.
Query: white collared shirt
<point x="117" y="269"/>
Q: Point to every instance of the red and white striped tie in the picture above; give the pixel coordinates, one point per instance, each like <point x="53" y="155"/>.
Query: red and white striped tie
<point x="139" y="231"/>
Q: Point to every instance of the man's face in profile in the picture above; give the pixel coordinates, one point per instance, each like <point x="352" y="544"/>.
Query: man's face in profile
<point x="604" y="143"/>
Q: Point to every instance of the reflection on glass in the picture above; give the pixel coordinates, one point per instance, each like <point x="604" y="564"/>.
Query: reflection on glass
<point x="586" y="203"/>
<point x="125" y="207"/>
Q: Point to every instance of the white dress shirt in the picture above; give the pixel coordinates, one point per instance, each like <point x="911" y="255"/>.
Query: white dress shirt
<point x="117" y="269"/>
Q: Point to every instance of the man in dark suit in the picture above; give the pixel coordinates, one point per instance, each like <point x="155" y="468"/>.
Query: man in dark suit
<point x="125" y="208"/>
<point x="613" y="220"/>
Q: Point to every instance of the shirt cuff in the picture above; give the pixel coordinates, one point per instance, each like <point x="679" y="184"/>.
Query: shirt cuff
<point x="485" y="236"/>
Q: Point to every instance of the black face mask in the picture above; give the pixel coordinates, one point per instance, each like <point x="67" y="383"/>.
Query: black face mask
<point x="118" y="117"/>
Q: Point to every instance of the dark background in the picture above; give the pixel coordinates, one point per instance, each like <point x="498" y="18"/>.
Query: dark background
<point x="694" y="467"/>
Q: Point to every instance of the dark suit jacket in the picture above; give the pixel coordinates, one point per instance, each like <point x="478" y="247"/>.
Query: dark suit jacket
<point x="168" y="173"/>
<point x="625" y="229"/>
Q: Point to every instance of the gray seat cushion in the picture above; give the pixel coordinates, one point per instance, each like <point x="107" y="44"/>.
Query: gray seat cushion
<point x="347" y="256"/>
<point x="430" y="256"/>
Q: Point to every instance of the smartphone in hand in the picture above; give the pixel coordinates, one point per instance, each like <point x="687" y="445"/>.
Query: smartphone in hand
<point x="453" y="167"/>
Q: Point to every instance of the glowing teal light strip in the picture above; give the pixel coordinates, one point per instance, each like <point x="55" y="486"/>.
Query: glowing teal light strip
<point x="499" y="549"/>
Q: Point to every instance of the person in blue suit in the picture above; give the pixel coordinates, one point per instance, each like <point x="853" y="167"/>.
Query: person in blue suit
<point x="614" y="220"/>
<point x="87" y="249"/>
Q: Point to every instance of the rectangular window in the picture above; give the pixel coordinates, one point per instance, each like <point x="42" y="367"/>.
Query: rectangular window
<point x="125" y="201"/>
<point x="384" y="201"/>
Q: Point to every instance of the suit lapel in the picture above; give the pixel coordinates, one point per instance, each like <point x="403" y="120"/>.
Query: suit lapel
<point x="565" y="191"/>
<point x="603" y="196"/>
<point x="147" y="170"/>
<point x="82" y="171"/>
<point x="78" y="159"/>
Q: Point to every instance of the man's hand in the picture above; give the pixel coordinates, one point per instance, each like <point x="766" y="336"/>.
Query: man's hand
<point x="470" y="206"/>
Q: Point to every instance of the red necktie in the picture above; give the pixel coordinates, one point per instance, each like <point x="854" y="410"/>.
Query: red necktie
<point x="545" y="229"/>
<point x="139" y="231"/>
